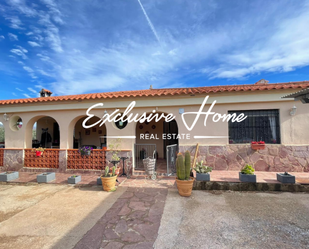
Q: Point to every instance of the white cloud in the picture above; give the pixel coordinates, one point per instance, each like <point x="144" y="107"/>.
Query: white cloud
<point x="14" y="94"/>
<point x="22" y="49"/>
<point x="18" y="89"/>
<point x="20" y="52"/>
<point x="51" y="32"/>
<point x="28" y="69"/>
<point x="45" y="73"/>
<point x="39" y="86"/>
<point x="26" y="95"/>
<point x="21" y="6"/>
<point x="43" y="57"/>
<point x="34" y="44"/>
<point x="2" y="37"/>
<point x="32" y="90"/>
<point x="15" y="22"/>
<point x="13" y="37"/>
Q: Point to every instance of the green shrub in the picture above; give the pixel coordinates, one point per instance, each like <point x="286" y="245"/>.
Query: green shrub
<point x="248" y="170"/>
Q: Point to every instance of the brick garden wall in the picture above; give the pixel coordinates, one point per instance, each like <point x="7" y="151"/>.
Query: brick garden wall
<point x="54" y="160"/>
<point x="234" y="157"/>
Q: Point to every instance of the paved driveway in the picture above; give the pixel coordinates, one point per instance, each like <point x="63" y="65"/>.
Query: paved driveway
<point x="235" y="220"/>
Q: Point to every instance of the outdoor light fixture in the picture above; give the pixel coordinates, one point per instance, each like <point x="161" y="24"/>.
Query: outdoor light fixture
<point x="6" y="117"/>
<point x="293" y="110"/>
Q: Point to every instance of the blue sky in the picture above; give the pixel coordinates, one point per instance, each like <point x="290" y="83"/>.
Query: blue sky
<point x="79" y="46"/>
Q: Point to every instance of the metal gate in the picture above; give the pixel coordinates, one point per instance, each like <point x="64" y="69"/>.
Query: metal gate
<point x="171" y="155"/>
<point x="143" y="151"/>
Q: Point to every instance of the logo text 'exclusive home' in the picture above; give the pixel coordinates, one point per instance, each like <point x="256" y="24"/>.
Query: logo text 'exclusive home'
<point x="116" y="116"/>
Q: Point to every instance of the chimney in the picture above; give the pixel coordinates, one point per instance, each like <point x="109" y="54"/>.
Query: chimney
<point x="45" y="93"/>
<point x="261" y="82"/>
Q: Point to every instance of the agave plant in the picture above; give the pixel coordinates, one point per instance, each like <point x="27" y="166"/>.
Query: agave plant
<point x="202" y="169"/>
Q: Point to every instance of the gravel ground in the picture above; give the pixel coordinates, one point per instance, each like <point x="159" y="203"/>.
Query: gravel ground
<point x="235" y="220"/>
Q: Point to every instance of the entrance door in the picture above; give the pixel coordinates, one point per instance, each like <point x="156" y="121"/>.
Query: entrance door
<point x="170" y="128"/>
<point x="171" y="152"/>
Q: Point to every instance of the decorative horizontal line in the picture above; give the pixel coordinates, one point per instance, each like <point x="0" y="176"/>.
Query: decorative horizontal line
<point x="211" y="137"/>
<point x="133" y="137"/>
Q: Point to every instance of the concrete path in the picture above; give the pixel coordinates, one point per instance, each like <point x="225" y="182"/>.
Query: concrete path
<point x="235" y="220"/>
<point x="50" y="216"/>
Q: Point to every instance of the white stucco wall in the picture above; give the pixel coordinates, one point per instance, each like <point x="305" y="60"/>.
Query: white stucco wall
<point x="294" y="129"/>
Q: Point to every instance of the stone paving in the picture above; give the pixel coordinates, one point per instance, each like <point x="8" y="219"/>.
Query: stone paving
<point x="134" y="219"/>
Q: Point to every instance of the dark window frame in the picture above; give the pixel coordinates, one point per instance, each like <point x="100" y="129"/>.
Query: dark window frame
<point x="260" y="125"/>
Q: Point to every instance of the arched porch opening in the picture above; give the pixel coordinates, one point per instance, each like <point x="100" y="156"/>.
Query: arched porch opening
<point x="159" y="135"/>
<point x="42" y="131"/>
<point x="93" y="137"/>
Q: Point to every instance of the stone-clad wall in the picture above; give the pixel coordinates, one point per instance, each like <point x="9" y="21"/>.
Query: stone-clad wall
<point x="13" y="160"/>
<point x="234" y="157"/>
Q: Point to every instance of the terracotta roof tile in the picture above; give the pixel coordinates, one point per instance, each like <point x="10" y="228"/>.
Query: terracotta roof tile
<point x="164" y="92"/>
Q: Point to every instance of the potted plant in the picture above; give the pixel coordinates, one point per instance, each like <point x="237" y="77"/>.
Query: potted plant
<point x="8" y="176"/>
<point x="114" y="149"/>
<point x="202" y="171"/>
<point x="74" y="179"/>
<point x="85" y="150"/>
<point x="258" y="145"/>
<point x="247" y="174"/>
<point x="183" y="168"/>
<point x="38" y="151"/>
<point x="285" y="177"/>
<point x="109" y="179"/>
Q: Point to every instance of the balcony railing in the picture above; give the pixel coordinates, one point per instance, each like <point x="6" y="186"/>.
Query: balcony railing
<point x="95" y="161"/>
<point x="49" y="159"/>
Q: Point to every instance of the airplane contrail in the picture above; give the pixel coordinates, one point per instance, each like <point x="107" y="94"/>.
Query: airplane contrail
<point x="149" y="22"/>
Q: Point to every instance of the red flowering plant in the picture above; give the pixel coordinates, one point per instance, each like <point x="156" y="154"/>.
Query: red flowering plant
<point x="260" y="145"/>
<point x="260" y="142"/>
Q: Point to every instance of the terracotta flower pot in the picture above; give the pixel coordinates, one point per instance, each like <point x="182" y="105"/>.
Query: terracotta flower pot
<point x="109" y="183"/>
<point x="258" y="146"/>
<point x="185" y="186"/>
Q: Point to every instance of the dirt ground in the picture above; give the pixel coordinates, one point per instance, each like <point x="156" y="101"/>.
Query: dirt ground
<point x="48" y="215"/>
<point x="235" y="220"/>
